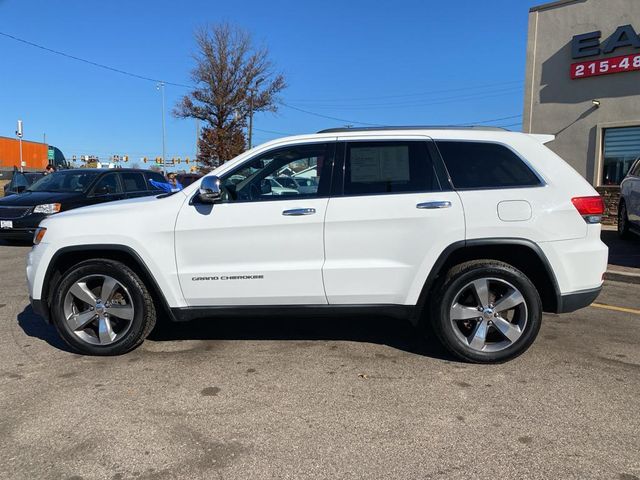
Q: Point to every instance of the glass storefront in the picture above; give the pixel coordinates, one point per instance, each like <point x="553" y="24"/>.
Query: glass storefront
<point x="621" y="149"/>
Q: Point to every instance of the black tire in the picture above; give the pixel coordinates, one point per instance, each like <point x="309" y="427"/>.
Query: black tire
<point x="623" y="220"/>
<point x="144" y="313"/>
<point x="449" y="288"/>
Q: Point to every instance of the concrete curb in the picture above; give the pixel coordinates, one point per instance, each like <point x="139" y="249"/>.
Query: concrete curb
<point x="625" y="277"/>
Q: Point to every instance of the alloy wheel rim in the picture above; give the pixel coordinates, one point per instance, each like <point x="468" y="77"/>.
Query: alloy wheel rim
<point x="488" y="314"/>
<point x="98" y="310"/>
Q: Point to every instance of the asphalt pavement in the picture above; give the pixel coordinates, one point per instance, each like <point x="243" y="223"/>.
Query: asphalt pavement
<point x="319" y="398"/>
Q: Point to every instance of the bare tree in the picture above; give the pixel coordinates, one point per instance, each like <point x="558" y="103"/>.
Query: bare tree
<point x="232" y="78"/>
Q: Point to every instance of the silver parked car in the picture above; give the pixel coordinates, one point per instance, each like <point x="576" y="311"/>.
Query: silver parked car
<point x="629" y="206"/>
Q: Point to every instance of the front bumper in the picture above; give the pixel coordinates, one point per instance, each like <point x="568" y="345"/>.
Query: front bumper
<point x="41" y="308"/>
<point x="23" y="228"/>
<point x="575" y="301"/>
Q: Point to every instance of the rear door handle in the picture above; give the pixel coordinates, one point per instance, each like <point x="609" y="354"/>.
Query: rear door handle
<point x="297" y="212"/>
<point x="433" y="205"/>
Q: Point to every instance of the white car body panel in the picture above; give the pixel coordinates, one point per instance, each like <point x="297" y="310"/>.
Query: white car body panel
<point x="251" y="239"/>
<point x="380" y="249"/>
<point x="145" y="225"/>
<point x="370" y="249"/>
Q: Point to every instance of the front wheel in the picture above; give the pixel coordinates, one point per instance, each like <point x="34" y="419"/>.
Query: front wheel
<point x="486" y="311"/>
<point x="101" y="307"/>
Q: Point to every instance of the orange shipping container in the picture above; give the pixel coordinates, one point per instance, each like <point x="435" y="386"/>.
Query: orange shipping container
<point x="33" y="153"/>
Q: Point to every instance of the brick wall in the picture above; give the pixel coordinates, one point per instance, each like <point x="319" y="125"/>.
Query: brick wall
<point x="611" y="196"/>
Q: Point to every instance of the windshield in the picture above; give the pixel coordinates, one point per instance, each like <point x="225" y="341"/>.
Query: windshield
<point x="65" y="181"/>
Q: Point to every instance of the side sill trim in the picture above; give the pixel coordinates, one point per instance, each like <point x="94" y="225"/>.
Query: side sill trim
<point x="185" y="314"/>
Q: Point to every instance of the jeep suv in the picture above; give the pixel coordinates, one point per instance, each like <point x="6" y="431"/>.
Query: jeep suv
<point x="471" y="233"/>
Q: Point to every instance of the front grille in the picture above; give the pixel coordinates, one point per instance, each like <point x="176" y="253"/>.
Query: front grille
<point x="11" y="213"/>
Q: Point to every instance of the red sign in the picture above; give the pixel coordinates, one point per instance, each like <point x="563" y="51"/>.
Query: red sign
<point x="607" y="66"/>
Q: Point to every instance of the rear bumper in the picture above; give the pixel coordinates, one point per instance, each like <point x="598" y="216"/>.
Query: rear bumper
<point x="571" y="302"/>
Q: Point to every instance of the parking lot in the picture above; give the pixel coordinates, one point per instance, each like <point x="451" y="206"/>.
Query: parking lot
<point x="347" y="398"/>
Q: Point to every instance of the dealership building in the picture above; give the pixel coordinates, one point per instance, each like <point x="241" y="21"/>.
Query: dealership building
<point x="583" y="86"/>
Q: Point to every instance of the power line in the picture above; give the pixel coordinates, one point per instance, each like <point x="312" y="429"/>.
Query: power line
<point x="273" y="131"/>
<point x="95" y="64"/>
<point x="328" y="116"/>
<point x="482" y="122"/>
<point x="308" y="112"/>
<point x="425" y="102"/>
<point x="409" y="94"/>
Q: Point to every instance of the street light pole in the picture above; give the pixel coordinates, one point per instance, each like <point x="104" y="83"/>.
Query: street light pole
<point x="19" y="135"/>
<point x="160" y="87"/>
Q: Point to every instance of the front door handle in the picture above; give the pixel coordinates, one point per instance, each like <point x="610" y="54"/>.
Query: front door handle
<point x="296" y="212"/>
<point x="434" y="205"/>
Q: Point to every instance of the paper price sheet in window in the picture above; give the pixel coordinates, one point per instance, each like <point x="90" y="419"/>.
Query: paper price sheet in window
<point x="380" y="164"/>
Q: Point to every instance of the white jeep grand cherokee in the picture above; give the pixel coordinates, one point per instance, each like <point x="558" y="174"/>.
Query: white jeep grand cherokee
<point x="473" y="232"/>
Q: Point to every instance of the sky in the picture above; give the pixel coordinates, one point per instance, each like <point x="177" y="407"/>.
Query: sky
<point x="355" y="62"/>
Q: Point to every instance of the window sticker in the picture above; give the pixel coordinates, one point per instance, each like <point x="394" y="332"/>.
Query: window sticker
<point x="380" y="164"/>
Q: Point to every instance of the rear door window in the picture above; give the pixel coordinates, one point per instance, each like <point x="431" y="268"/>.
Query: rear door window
<point x="373" y="168"/>
<point x="133" y="182"/>
<point x="480" y="165"/>
<point x="108" y="185"/>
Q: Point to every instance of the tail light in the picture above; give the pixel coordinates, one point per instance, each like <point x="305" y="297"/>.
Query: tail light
<point x="591" y="208"/>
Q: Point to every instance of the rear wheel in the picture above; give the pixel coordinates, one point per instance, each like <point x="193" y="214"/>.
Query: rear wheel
<point x="486" y="311"/>
<point x="623" y="220"/>
<point x="101" y="307"/>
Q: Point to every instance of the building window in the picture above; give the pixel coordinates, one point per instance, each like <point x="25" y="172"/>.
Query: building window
<point x="621" y="149"/>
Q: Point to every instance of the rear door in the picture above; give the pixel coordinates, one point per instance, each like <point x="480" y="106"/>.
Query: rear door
<point x="134" y="184"/>
<point x="106" y="189"/>
<point x="392" y="216"/>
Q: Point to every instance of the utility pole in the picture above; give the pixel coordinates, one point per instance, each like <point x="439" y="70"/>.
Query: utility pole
<point x="160" y="87"/>
<point x="19" y="135"/>
<point x="252" y="92"/>
<point x="251" y="117"/>
<point x="197" y="137"/>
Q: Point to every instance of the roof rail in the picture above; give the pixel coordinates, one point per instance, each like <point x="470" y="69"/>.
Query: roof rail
<point x="413" y="127"/>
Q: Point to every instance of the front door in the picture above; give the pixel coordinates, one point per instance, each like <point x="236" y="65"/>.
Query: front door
<point x="395" y="215"/>
<point x="263" y="244"/>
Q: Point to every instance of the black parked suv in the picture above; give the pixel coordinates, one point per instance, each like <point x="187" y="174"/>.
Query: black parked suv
<point x="20" y="181"/>
<point x="20" y="214"/>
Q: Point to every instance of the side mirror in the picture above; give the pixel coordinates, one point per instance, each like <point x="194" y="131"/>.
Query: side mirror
<point x="210" y="189"/>
<point x="103" y="190"/>
<point x="20" y="189"/>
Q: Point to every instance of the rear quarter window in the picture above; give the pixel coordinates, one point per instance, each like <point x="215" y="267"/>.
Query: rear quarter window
<point x="478" y="165"/>
<point x="156" y="177"/>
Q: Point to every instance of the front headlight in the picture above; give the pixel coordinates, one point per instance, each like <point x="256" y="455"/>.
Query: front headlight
<point x="47" y="208"/>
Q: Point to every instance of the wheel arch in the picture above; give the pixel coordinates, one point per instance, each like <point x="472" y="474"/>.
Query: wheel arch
<point x="522" y="254"/>
<point x="67" y="257"/>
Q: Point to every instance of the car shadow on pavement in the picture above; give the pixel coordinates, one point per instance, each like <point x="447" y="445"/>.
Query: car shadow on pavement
<point x="394" y="333"/>
<point x="622" y="252"/>
<point x="36" y="327"/>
